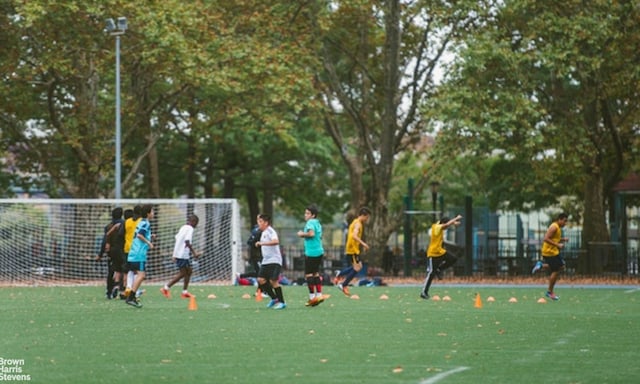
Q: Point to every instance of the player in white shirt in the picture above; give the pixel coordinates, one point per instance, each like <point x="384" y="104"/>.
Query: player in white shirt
<point x="182" y="252"/>
<point x="269" y="274"/>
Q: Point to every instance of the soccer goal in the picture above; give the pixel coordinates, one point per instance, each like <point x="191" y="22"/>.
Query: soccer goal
<point x="56" y="241"/>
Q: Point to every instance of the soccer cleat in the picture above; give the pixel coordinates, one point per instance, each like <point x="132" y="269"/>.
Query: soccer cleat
<point x="280" y="306"/>
<point x="140" y="292"/>
<point x="345" y="290"/>
<point x="319" y="299"/>
<point x="336" y="279"/>
<point x="114" y="293"/>
<point x="552" y="296"/>
<point x="537" y="267"/>
<point x="272" y="303"/>
<point x="424" y="295"/>
<point x="438" y="273"/>
<point x="311" y="303"/>
<point x="165" y="292"/>
<point x="134" y="303"/>
<point x="186" y="295"/>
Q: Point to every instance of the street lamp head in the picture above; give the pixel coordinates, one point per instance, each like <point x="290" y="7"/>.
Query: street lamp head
<point x="111" y="26"/>
<point x="118" y="29"/>
<point x="122" y="23"/>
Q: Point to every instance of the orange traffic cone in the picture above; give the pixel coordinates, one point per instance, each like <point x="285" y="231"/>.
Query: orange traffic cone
<point x="258" y="295"/>
<point x="478" y="301"/>
<point x="193" y="306"/>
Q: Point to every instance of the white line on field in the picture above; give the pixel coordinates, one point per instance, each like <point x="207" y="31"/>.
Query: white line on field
<point x="442" y="375"/>
<point x="632" y="290"/>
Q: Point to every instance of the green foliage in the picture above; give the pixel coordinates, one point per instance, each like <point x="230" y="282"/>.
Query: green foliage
<point x="539" y="89"/>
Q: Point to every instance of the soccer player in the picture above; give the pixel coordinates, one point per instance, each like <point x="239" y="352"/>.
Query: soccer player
<point x="182" y="251"/>
<point x="354" y="241"/>
<point x="112" y="244"/>
<point x="269" y="274"/>
<point x="551" y="259"/>
<point x="137" y="259"/>
<point x="130" y="225"/>
<point x="437" y="257"/>
<point x="314" y="252"/>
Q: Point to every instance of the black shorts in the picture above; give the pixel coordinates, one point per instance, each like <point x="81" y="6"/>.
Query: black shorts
<point x="556" y="263"/>
<point x="312" y="264"/>
<point x="183" y="263"/>
<point x="137" y="266"/>
<point x="270" y="271"/>
<point x="116" y="260"/>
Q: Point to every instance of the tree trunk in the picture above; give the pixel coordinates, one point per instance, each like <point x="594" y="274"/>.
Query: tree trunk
<point x="594" y="227"/>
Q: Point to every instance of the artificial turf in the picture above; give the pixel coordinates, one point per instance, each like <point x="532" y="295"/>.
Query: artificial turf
<point x="388" y="335"/>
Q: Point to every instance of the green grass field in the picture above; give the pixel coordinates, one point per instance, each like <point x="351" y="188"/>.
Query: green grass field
<point x="74" y="335"/>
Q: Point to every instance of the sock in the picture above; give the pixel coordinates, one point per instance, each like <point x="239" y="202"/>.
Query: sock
<point x="279" y="294"/>
<point x="130" y="277"/>
<point x="311" y="286"/>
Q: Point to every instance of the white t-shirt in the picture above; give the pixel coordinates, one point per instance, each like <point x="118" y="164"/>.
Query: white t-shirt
<point x="180" y="250"/>
<point x="270" y="253"/>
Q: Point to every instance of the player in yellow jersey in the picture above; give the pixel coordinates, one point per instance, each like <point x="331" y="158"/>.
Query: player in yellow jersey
<point x="130" y="225"/>
<point x="437" y="257"/>
<point x="354" y="242"/>
<point x="551" y="259"/>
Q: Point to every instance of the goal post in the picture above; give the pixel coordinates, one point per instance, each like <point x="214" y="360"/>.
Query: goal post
<point x="56" y="241"/>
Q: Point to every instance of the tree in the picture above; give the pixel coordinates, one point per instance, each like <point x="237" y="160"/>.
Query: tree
<point x="549" y="90"/>
<point x="379" y="60"/>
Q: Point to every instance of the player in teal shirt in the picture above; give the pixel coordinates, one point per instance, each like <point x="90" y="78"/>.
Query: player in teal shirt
<point x="314" y="252"/>
<point x="137" y="258"/>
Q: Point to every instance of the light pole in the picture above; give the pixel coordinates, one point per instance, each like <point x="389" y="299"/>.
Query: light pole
<point x="117" y="30"/>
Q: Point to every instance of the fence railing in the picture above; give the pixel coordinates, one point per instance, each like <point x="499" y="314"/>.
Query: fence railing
<point x="598" y="260"/>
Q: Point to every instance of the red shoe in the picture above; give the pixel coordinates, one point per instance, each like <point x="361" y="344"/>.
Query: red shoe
<point x="165" y="292"/>
<point x="186" y="295"/>
<point x="345" y="290"/>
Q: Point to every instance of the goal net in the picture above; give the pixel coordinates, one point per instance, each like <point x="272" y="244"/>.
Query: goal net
<point x="56" y="241"/>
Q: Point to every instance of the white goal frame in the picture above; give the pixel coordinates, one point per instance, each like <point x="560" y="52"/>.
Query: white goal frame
<point x="56" y="241"/>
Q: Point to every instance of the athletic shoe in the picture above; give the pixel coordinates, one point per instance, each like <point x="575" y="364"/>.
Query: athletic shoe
<point x="537" y="267"/>
<point x="319" y="299"/>
<point x="186" y="295"/>
<point x="114" y="292"/>
<point x="134" y="303"/>
<point x="272" y="303"/>
<point x="165" y="292"/>
<point x="107" y="295"/>
<point x="345" y="290"/>
<point x="140" y="292"/>
<point x="336" y="280"/>
<point x="424" y="295"/>
<point x="311" y="303"/>
<point x="552" y="296"/>
<point x="280" y="306"/>
<point x="438" y="273"/>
